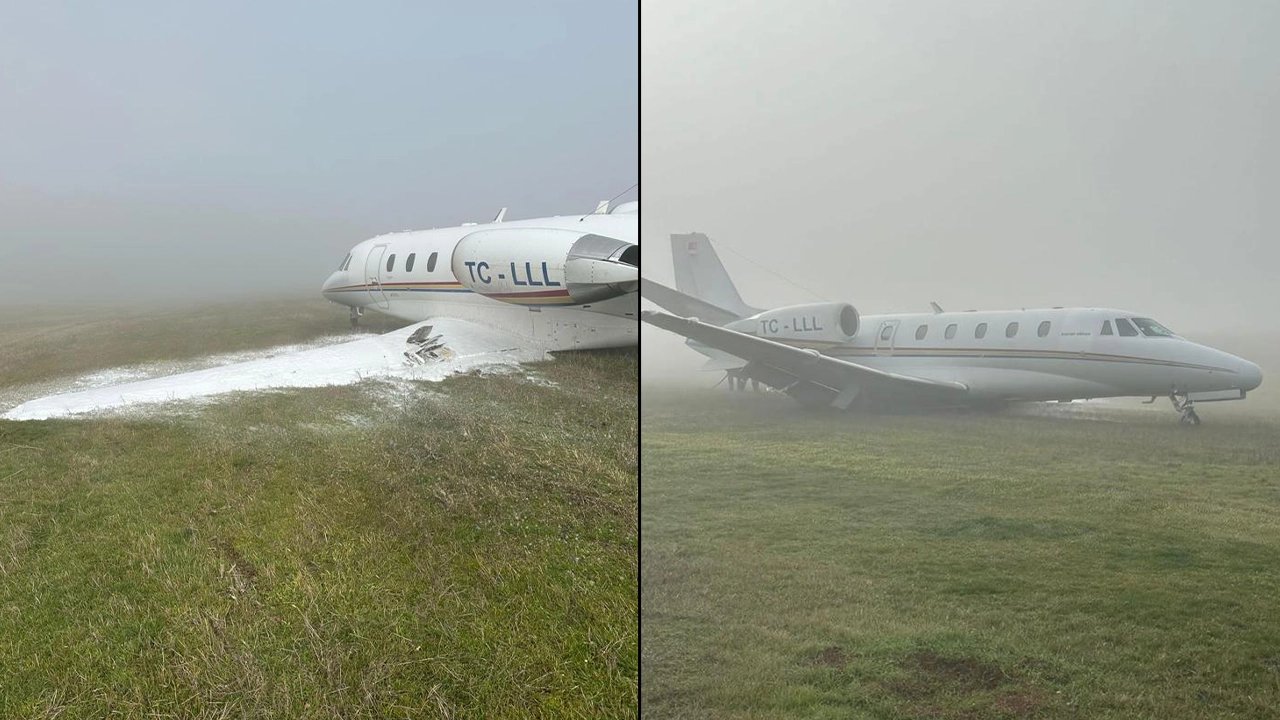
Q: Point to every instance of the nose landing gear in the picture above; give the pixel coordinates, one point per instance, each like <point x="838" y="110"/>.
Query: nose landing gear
<point x="1182" y="404"/>
<point x="356" y="314"/>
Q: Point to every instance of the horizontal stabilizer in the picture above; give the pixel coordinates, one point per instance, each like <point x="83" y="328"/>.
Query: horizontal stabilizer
<point x="685" y="305"/>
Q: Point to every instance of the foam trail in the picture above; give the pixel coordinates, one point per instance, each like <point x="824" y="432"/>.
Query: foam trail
<point x="341" y="364"/>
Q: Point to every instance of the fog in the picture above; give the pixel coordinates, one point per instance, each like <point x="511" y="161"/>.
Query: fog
<point x="158" y="152"/>
<point x="983" y="155"/>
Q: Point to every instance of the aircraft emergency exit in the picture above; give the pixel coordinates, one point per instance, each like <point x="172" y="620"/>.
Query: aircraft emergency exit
<point x="827" y="354"/>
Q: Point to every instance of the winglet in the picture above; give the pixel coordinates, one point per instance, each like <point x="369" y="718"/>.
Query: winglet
<point x="501" y="214"/>
<point x="602" y="208"/>
<point x="937" y="309"/>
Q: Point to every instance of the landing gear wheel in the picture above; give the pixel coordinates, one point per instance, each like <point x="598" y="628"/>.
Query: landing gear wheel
<point x="355" y="317"/>
<point x="1183" y="405"/>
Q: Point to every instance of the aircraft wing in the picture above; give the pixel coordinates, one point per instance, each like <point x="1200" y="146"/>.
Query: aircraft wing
<point x="805" y="373"/>
<point x="430" y="350"/>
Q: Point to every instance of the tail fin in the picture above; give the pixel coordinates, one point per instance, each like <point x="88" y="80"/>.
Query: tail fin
<point x="700" y="273"/>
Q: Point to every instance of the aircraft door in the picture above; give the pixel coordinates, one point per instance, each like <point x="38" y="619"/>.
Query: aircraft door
<point x="373" y="275"/>
<point x="885" y="335"/>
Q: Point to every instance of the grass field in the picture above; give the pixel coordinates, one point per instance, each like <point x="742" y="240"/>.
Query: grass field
<point x="956" y="565"/>
<point x="455" y="550"/>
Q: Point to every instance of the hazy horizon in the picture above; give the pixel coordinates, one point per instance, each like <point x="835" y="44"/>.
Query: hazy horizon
<point x="157" y="152"/>
<point x="991" y="155"/>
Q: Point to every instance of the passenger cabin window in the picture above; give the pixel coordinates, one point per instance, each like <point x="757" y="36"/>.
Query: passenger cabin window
<point x="431" y="262"/>
<point x="1151" y="328"/>
<point x="408" y="262"/>
<point x="1011" y="329"/>
<point x="391" y="262"/>
<point x="1126" y="328"/>
<point x="1043" y="330"/>
<point x="1106" y="327"/>
<point x="951" y="331"/>
<point x="922" y="331"/>
<point x="887" y="332"/>
<point x="980" y="331"/>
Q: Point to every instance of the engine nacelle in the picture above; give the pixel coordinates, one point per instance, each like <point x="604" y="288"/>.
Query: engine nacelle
<point x="823" y="322"/>
<point x="542" y="266"/>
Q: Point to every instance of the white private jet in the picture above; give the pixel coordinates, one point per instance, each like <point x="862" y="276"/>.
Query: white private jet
<point x="478" y="295"/>
<point x="560" y="283"/>
<point x="825" y="354"/>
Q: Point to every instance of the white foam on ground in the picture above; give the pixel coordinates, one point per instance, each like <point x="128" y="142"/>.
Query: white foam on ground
<point x="379" y="356"/>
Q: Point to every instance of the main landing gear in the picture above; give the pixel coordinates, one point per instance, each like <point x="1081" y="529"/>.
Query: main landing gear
<point x="738" y="382"/>
<point x="1183" y="405"/>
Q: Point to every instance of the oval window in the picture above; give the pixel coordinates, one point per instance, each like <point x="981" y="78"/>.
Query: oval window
<point x="431" y="262"/>
<point x="408" y="262"/>
<point x="980" y="331"/>
<point x="951" y="331"/>
<point x="1043" y="330"/>
<point x="391" y="262"/>
<point x="922" y="331"/>
<point x="1011" y="330"/>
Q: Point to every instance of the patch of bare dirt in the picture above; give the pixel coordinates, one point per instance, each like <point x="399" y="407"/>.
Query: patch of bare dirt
<point x="832" y="656"/>
<point x="961" y="688"/>
<point x="239" y="565"/>
<point x="968" y="673"/>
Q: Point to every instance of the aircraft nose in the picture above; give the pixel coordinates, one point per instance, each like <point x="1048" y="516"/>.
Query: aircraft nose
<point x="1250" y="375"/>
<point x="332" y="283"/>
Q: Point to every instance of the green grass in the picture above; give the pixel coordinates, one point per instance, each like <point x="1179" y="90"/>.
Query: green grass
<point x="461" y="549"/>
<point x="956" y="565"/>
<point x="40" y="343"/>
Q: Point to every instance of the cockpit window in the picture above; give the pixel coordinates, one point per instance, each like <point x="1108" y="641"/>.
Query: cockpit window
<point x="1151" y="328"/>
<point x="1126" y="329"/>
<point x="1106" y="328"/>
<point x="343" y="265"/>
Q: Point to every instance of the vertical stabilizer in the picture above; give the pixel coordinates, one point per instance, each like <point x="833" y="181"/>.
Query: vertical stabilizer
<point x="700" y="273"/>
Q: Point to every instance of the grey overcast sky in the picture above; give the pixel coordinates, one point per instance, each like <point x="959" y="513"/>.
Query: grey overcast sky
<point x="981" y="154"/>
<point x="161" y="150"/>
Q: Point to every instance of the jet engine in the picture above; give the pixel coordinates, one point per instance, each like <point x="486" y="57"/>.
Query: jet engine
<point x="537" y="266"/>
<point x="822" y="322"/>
